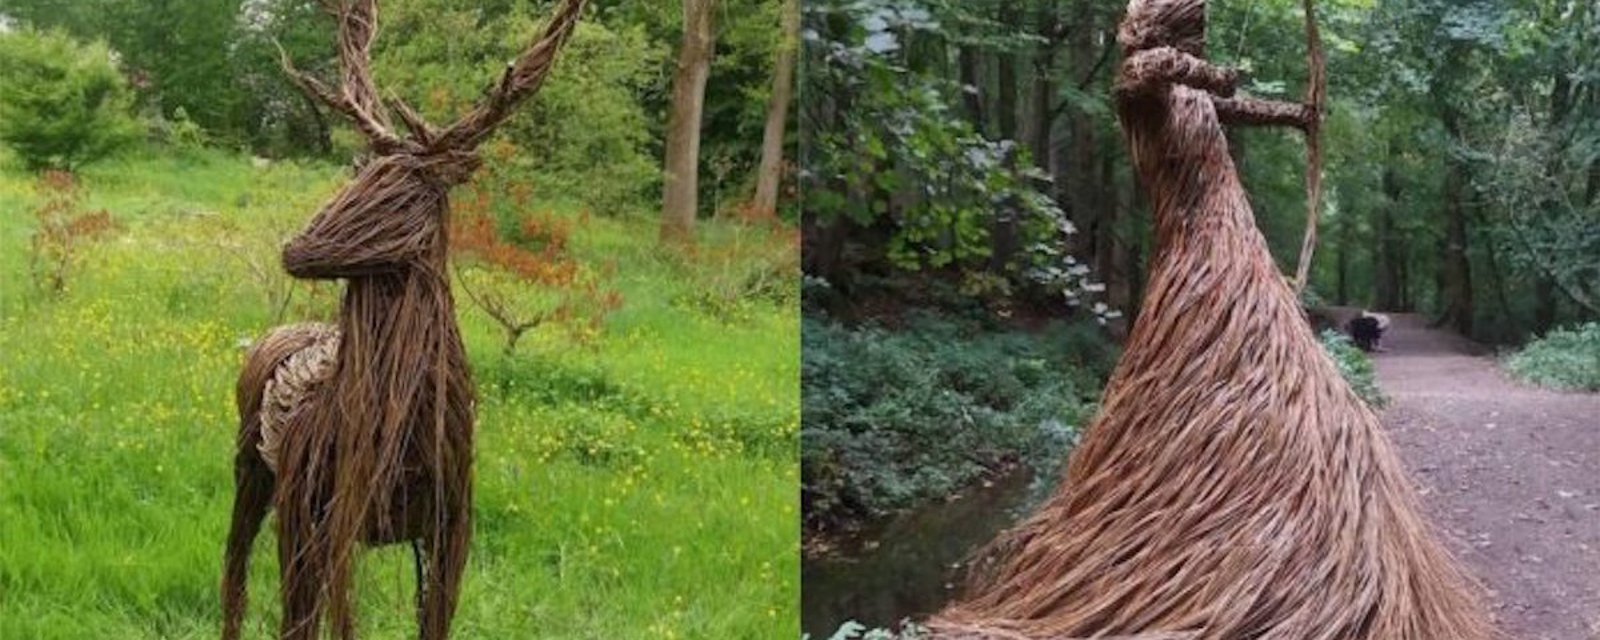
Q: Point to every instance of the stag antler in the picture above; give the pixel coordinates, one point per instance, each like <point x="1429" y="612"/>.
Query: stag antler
<point x="357" y="96"/>
<point x="522" y="78"/>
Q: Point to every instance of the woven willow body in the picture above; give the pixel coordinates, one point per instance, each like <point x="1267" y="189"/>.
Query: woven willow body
<point x="360" y="434"/>
<point x="1232" y="486"/>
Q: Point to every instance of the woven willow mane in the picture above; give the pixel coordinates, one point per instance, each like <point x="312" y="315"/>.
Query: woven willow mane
<point x="374" y="447"/>
<point x="1232" y="487"/>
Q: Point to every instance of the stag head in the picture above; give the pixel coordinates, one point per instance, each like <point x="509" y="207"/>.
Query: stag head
<point x="411" y="173"/>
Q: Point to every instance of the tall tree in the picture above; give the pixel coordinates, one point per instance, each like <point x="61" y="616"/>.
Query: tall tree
<point x="1387" y="284"/>
<point x="681" y="171"/>
<point x="1005" y="106"/>
<point x="1455" y="271"/>
<point x="1041" y="110"/>
<point x="770" y="174"/>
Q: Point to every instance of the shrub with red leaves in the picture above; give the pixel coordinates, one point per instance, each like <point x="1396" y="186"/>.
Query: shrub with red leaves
<point x="62" y="231"/>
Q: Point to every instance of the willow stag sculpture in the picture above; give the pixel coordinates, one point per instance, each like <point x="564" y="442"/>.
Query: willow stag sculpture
<point x="1233" y="486"/>
<point x="361" y="433"/>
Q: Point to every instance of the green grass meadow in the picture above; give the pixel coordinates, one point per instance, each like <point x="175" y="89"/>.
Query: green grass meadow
<point x="640" y="485"/>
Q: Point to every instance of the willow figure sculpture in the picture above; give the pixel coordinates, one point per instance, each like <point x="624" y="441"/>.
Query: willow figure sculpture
<point x="361" y="433"/>
<point x="1233" y="487"/>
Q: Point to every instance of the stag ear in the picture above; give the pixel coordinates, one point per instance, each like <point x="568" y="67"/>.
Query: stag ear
<point x="522" y="79"/>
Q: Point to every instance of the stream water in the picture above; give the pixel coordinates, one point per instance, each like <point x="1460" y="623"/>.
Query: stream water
<point x="907" y="566"/>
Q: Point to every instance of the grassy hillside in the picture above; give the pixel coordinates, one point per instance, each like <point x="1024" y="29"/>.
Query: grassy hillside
<point x="641" y="484"/>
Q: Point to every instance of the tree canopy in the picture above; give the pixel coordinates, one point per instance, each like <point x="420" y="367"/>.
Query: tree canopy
<point x="1462" y="144"/>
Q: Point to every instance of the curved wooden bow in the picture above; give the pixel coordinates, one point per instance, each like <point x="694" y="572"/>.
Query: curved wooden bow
<point x="1315" y="100"/>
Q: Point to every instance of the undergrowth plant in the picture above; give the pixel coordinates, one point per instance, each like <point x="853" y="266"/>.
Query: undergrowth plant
<point x="756" y="266"/>
<point x="63" y="230"/>
<point x="1355" y="367"/>
<point x="526" y="278"/>
<point x="1567" y="358"/>
<point x="897" y="418"/>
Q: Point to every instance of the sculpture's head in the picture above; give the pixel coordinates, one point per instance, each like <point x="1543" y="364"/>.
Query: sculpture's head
<point x="1180" y="24"/>
<point x="409" y="175"/>
<point x="392" y="212"/>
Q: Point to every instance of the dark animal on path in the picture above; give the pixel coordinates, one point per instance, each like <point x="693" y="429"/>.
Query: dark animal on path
<point x="361" y="433"/>
<point x="1365" y="331"/>
<point x="1232" y="487"/>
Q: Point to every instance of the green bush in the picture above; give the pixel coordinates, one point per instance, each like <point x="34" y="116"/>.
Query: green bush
<point x="181" y="132"/>
<point x="1354" y="366"/>
<point x="897" y="418"/>
<point x="63" y="103"/>
<point x="1563" y="359"/>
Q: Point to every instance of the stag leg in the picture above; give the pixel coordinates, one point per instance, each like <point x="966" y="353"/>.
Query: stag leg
<point x="441" y="572"/>
<point x="445" y="556"/>
<point x="301" y="591"/>
<point x="302" y="564"/>
<point x="422" y="585"/>
<point x="252" y="499"/>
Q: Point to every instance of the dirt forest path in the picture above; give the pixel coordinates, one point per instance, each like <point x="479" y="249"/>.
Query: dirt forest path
<point x="1511" y="472"/>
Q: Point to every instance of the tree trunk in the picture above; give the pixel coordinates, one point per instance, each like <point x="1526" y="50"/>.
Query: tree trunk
<point x="770" y="175"/>
<point x="1544" y="308"/>
<point x="1386" y="275"/>
<point x="1591" y="191"/>
<point x="971" y="86"/>
<point x="1408" y="293"/>
<point x="1134" y="266"/>
<point x="1456" y="272"/>
<point x="1119" y="279"/>
<point x="1084" y="151"/>
<point x="681" y="173"/>
<point x="1006" y="94"/>
<point x="1342" y="263"/>
<point x="1497" y="279"/>
<point x="1042" y="113"/>
<point x="1003" y="230"/>
<point x="1104" y="201"/>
